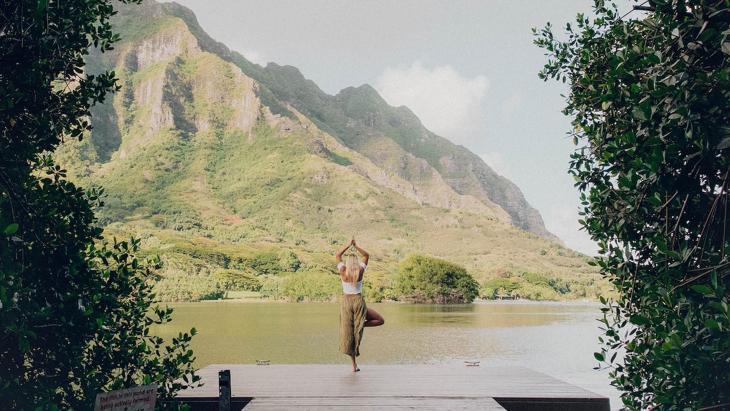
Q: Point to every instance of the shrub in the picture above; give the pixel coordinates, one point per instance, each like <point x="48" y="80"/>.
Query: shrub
<point x="181" y="288"/>
<point x="271" y="287"/>
<point x="289" y="261"/>
<point x="529" y="285"/>
<point x="237" y="280"/>
<point x="374" y="289"/>
<point x="649" y="100"/>
<point x="266" y="263"/>
<point x="499" y="287"/>
<point x="425" y="279"/>
<point x="75" y="311"/>
<point x="555" y="284"/>
<point x="310" y="286"/>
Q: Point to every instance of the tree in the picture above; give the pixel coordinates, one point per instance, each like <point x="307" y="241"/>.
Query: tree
<point x="75" y="311"/>
<point x="426" y="279"/>
<point x="649" y="101"/>
<point x="500" y="287"/>
<point x="265" y="263"/>
<point x="289" y="261"/>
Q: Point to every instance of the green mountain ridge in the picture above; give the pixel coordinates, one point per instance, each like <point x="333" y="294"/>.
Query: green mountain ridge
<point x="357" y="114"/>
<point x="247" y="177"/>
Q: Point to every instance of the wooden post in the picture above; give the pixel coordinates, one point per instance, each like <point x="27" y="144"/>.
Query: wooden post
<point x="224" y="390"/>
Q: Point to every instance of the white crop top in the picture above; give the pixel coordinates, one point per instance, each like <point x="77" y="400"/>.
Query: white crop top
<point x="349" y="288"/>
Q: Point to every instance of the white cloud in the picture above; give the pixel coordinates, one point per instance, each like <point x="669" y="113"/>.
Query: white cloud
<point x="448" y="103"/>
<point x="509" y="107"/>
<point x="497" y="163"/>
<point x="563" y="222"/>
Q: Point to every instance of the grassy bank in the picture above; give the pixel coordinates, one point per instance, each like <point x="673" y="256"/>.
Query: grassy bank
<point x="198" y="269"/>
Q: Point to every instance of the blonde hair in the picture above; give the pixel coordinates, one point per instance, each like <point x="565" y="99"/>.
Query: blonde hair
<point x="352" y="269"/>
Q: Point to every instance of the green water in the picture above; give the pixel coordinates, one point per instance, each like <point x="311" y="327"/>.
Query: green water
<point x="555" y="338"/>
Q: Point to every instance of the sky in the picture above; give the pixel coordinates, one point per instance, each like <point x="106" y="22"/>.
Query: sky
<point x="467" y="68"/>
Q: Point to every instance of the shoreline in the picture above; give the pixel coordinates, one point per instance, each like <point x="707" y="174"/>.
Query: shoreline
<point x="253" y="300"/>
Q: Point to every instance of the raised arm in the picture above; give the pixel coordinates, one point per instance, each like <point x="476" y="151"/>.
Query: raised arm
<point x="365" y="255"/>
<point x="338" y="256"/>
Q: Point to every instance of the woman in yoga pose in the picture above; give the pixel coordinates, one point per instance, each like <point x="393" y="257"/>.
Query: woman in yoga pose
<point x="354" y="314"/>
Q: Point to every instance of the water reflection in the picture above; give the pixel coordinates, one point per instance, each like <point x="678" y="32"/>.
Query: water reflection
<point x="307" y="333"/>
<point x="433" y="315"/>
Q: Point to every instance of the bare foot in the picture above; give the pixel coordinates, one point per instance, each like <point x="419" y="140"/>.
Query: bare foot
<point x="354" y="364"/>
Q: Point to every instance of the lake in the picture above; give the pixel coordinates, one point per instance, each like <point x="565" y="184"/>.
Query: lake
<point x="558" y="339"/>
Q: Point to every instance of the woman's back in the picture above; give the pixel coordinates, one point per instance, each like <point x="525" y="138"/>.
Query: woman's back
<point x="352" y="288"/>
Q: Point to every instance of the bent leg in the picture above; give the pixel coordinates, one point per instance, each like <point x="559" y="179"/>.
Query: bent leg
<point x="374" y="319"/>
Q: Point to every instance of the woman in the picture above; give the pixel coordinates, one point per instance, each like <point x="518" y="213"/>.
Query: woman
<point x="354" y="314"/>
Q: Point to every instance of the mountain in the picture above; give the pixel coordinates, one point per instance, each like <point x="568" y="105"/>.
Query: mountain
<point x="363" y="121"/>
<point x="218" y="164"/>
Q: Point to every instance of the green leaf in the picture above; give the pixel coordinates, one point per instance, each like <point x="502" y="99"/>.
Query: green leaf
<point x="41" y="6"/>
<point x="11" y="229"/>
<point x="639" y="114"/>
<point x="717" y="306"/>
<point x="638" y="319"/>
<point x="712" y="324"/>
<point x="599" y="356"/>
<point x="703" y="289"/>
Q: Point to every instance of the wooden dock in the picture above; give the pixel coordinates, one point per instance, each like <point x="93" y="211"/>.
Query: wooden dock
<point x="392" y="387"/>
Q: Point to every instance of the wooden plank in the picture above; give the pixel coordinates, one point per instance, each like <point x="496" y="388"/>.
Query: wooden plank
<point x="372" y="403"/>
<point x="520" y="385"/>
<point x="386" y="380"/>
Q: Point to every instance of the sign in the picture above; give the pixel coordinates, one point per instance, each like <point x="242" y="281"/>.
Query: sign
<point x="141" y="398"/>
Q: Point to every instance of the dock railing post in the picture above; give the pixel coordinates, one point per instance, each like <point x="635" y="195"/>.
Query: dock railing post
<point x="224" y="390"/>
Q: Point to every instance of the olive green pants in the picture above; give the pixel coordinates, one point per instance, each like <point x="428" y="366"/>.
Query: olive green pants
<point x="353" y="314"/>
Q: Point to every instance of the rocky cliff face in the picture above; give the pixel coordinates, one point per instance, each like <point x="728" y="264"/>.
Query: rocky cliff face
<point x="170" y="83"/>
<point x="461" y="169"/>
<point x="394" y="138"/>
